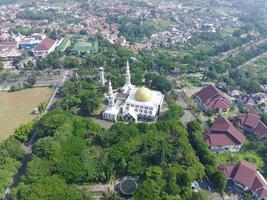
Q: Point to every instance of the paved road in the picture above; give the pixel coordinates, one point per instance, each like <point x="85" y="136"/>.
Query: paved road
<point x="188" y="116"/>
<point x="41" y="81"/>
<point x="28" y="146"/>
<point x="250" y="62"/>
<point x="236" y="51"/>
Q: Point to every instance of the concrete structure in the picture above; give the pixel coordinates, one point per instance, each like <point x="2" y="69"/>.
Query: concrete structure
<point x="131" y="103"/>
<point x="223" y="136"/>
<point x="245" y="178"/>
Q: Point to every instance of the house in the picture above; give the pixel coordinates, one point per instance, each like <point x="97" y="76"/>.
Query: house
<point x="251" y="122"/>
<point x="260" y="98"/>
<point x="28" y="43"/>
<point x="211" y="99"/>
<point x="45" y="47"/>
<point x="244" y="177"/>
<point x="223" y="136"/>
<point x="8" y="44"/>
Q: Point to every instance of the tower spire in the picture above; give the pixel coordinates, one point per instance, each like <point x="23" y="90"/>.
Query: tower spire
<point x="110" y="95"/>
<point x="128" y="74"/>
<point x="110" y="90"/>
<point x="102" y="76"/>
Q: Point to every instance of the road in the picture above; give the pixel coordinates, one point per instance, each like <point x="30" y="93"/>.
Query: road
<point x="28" y="146"/>
<point x="188" y="116"/>
<point x="236" y="51"/>
<point x="250" y="62"/>
<point x="40" y="81"/>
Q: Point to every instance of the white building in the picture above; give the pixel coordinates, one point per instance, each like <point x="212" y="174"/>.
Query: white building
<point x="131" y="103"/>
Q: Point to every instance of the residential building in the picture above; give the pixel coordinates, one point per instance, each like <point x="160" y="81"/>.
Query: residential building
<point x="211" y="99"/>
<point x="244" y="177"/>
<point x="8" y="44"/>
<point x="251" y="123"/>
<point x="28" y="43"/>
<point x="223" y="136"/>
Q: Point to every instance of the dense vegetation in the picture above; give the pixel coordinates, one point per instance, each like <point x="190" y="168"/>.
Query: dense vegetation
<point x="11" y="153"/>
<point x="75" y="150"/>
<point x="32" y="15"/>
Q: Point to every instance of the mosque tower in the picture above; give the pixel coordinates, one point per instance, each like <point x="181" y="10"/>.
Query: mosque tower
<point x="128" y="74"/>
<point x="110" y="95"/>
<point x="102" y="76"/>
<point x="128" y="85"/>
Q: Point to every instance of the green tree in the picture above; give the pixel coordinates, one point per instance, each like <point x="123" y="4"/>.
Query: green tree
<point x="31" y="81"/>
<point x="148" y="190"/>
<point x="219" y="180"/>
<point x="201" y="195"/>
<point x="23" y="132"/>
<point x="52" y="188"/>
<point x="1" y="66"/>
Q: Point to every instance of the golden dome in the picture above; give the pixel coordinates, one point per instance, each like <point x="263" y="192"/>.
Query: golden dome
<point x="143" y="94"/>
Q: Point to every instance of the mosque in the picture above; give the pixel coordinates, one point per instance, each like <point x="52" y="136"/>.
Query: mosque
<point x="131" y="103"/>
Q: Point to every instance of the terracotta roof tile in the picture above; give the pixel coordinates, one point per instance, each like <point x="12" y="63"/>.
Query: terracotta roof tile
<point x="213" y="98"/>
<point x="252" y="121"/>
<point x="223" y="133"/>
<point x="45" y="44"/>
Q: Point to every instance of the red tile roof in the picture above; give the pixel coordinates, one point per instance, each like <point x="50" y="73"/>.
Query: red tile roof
<point x="251" y="121"/>
<point x="45" y="44"/>
<point x="8" y="43"/>
<point x="213" y="98"/>
<point x="223" y="133"/>
<point x="247" y="175"/>
<point x="262" y="192"/>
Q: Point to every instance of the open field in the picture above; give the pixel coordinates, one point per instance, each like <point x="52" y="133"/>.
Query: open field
<point x="17" y="107"/>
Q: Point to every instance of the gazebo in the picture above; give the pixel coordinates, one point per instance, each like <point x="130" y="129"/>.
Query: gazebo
<point x="128" y="186"/>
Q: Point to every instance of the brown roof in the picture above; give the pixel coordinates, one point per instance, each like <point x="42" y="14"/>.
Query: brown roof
<point x="262" y="192"/>
<point x="223" y="133"/>
<point x="8" y="43"/>
<point x="227" y="169"/>
<point x="247" y="175"/>
<point x="45" y="44"/>
<point x="252" y="121"/>
<point x="213" y="98"/>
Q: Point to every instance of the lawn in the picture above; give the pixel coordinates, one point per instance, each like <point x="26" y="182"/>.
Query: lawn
<point x="229" y="30"/>
<point x="235" y="157"/>
<point x="16" y="108"/>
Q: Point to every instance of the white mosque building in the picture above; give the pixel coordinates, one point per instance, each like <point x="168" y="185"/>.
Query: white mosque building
<point x="131" y="103"/>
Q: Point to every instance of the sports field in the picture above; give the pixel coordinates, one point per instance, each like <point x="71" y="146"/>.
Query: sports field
<point x="16" y="108"/>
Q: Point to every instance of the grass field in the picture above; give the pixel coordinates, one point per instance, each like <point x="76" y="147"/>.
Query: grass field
<point x="17" y="107"/>
<point x="235" y="157"/>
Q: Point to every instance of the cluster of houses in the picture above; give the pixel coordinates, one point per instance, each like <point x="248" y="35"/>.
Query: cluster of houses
<point x="229" y="136"/>
<point x="247" y="100"/>
<point x="38" y="43"/>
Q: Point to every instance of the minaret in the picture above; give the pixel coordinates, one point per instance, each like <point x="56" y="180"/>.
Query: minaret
<point x="102" y="76"/>
<point x="128" y="75"/>
<point x="110" y="95"/>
